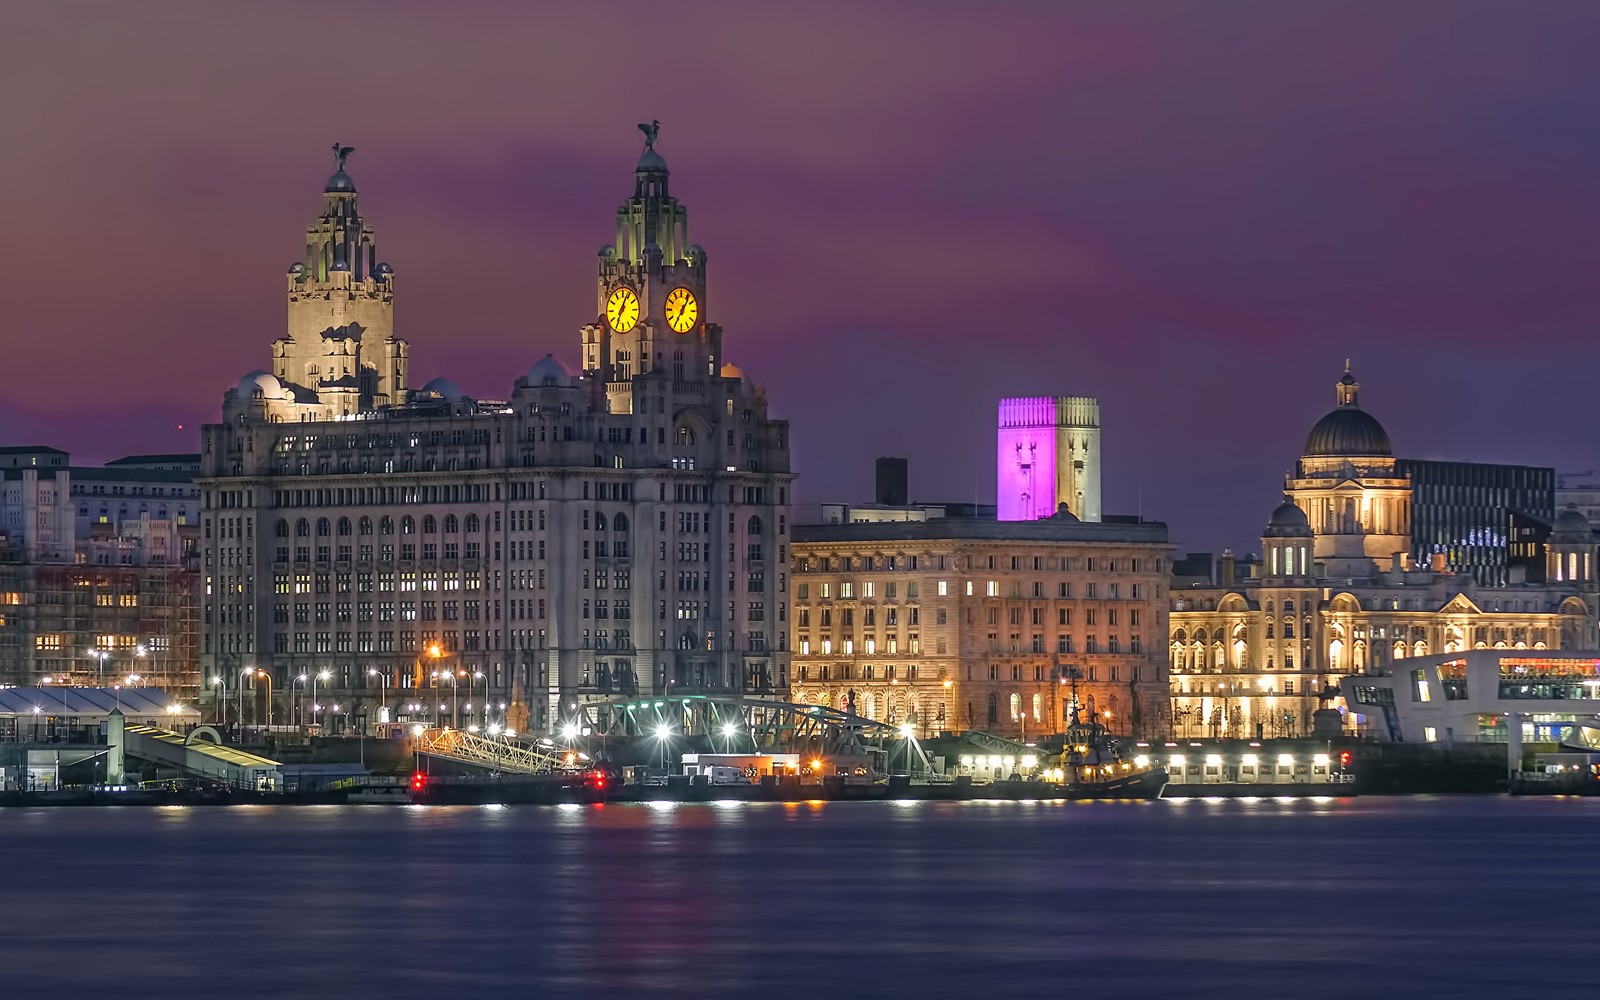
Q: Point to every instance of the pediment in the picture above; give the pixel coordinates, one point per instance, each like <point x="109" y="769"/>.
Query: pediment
<point x="1460" y="604"/>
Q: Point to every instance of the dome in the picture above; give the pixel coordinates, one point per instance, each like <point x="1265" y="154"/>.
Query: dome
<point x="1347" y="431"/>
<point x="265" y="383"/>
<point x="650" y="161"/>
<point x="696" y="254"/>
<point x="340" y="181"/>
<point x="1572" y="524"/>
<point x="731" y="370"/>
<point x="443" y="388"/>
<point x="548" y="371"/>
<point x="383" y="269"/>
<point x="1064" y="513"/>
<point x="1287" y="521"/>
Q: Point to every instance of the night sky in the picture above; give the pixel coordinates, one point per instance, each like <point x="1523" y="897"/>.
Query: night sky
<point x="1193" y="211"/>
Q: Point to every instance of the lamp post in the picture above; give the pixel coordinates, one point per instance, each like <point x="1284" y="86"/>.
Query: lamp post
<point x="297" y="705"/>
<point x="100" y="655"/>
<point x="439" y="675"/>
<point x="221" y="684"/>
<point x="246" y="672"/>
<point x="478" y="675"/>
<point x="664" y="737"/>
<point x="263" y="675"/>
<point x="315" y="708"/>
<point x="383" y="682"/>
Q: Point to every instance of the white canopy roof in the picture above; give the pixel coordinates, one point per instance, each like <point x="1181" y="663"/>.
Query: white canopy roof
<point x="93" y="703"/>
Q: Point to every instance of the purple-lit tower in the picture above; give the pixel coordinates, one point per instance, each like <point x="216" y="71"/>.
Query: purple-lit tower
<point x="1048" y="455"/>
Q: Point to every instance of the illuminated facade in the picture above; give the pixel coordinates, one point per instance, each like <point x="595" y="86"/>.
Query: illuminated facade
<point x="1048" y="455"/>
<point x="1482" y="696"/>
<point x="97" y="571"/>
<point x="614" y="532"/>
<point x="953" y="624"/>
<point x="1336" y="593"/>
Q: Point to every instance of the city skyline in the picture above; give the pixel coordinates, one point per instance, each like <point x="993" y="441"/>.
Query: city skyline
<point x="1387" y="201"/>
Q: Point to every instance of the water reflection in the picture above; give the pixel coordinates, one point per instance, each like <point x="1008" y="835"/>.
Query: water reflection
<point x="932" y="899"/>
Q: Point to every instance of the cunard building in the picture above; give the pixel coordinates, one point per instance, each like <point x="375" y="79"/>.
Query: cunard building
<point x="614" y="531"/>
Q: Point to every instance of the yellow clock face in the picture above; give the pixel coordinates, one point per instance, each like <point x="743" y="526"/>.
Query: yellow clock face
<point x="622" y="310"/>
<point x="682" y="310"/>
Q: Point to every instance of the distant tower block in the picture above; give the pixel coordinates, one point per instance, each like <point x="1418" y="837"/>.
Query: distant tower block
<point x="892" y="484"/>
<point x="1048" y="455"/>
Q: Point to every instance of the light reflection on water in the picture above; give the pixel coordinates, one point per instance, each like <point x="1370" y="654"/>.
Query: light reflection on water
<point x="1430" y="896"/>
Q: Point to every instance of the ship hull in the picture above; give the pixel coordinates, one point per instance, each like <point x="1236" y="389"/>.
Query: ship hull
<point x="1140" y="785"/>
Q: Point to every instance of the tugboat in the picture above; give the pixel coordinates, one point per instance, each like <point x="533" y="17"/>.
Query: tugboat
<point x="1094" y="767"/>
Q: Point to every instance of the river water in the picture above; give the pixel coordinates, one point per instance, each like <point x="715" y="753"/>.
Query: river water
<point x="1371" y="898"/>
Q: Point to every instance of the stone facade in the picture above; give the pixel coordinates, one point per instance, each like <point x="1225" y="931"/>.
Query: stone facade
<point x="1335" y="593"/>
<point x="1048" y="456"/>
<point x="615" y="532"/>
<point x="962" y="623"/>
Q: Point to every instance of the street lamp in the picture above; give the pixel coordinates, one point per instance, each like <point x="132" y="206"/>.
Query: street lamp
<point x="383" y="680"/>
<point x="221" y="684"/>
<point x="664" y="736"/>
<point x="246" y="672"/>
<point x="315" y="708"/>
<point x="263" y="675"/>
<point x="478" y="675"/>
<point x="455" y="697"/>
<point x="298" y="703"/>
<point x="729" y="731"/>
<point x="101" y="656"/>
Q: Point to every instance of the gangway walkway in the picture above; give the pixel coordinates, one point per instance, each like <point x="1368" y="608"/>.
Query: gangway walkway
<point x="998" y="744"/>
<point x="195" y="756"/>
<point x="500" y="753"/>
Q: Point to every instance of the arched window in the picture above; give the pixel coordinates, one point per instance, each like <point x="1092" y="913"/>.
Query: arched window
<point x="994" y="709"/>
<point x="451" y="525"/>
<point x="408" y="526"/>
<point x="599" y="521"/>
<point x="324" y="527"/>
<point x="282" y="528"/>
<point x="754" y="526"/>
<point x="302" y="528"/>
<point x="344" y="526"/>
<point x="429" y="525"/>
<point x="365" y="527"/>
<point x="472" y="523"/>
<point x="685" y="436"/>
<point x="386" y="525"/>
<point x="620" y="522"/>
<point x="1038" y="708"/>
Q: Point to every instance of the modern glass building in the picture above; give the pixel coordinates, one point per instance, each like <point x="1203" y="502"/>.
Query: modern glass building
<point x="1485" y="519"/>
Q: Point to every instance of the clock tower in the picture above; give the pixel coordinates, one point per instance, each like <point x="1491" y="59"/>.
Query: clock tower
<point x="651" y="292"/>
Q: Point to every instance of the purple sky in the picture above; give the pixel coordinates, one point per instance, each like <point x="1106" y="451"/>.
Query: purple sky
<point x="1193" y="211"/>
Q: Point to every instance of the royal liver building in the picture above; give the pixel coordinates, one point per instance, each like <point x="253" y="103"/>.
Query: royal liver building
<point x="615" y="532"/>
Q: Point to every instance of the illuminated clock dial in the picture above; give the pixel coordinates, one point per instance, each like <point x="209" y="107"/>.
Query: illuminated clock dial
<point x="682" y="310"/>
<point x="622" y="310"/>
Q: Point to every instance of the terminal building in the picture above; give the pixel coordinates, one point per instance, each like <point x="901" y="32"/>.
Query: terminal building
<point x="617" y="530"/>
<point x="1484" y="695"/>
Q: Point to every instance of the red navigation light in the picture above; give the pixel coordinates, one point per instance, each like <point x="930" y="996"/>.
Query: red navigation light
<point x="419" y="781"/>
<point x="1344" y="758"/>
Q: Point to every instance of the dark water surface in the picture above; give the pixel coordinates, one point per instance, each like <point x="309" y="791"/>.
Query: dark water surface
<point x="1369" y="898"/>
